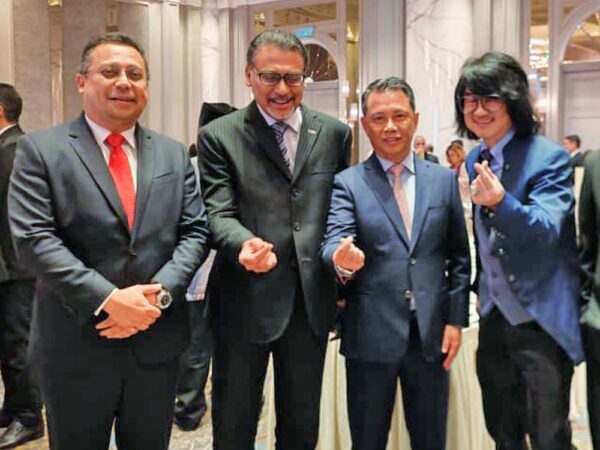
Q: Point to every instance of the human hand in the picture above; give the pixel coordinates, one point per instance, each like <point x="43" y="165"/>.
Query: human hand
<point x="111" y="330"/>
<point x="130" y="308"/>
<point x="257" y="256"/>
<point x="348" y="256"/>
<point x="486" y="188"/>
<point x="451" y="344"/>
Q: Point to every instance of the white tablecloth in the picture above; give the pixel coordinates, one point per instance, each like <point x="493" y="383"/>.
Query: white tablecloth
<point x="466" y="426"/>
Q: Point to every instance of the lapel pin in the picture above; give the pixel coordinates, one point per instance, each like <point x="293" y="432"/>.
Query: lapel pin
<point x="311" y="131"/>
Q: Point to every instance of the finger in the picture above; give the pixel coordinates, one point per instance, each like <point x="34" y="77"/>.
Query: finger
<point x="262" y="253"/>
<point x="106" y="323"/>
<point x="150" y="288"/>
<point x="479" y="167"/>
<point x="346" y="241"/>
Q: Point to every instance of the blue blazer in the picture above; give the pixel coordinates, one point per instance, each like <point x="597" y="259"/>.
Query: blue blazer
<point x="535" y="226"/>
<point x="434" y="264"/>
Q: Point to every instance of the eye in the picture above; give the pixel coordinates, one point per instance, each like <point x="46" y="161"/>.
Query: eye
<point x="135" y="74"/>
<point x="109" y="72"/>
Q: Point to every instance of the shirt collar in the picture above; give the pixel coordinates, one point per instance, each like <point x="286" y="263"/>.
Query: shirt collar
<point x="5" y="129"/>
<point x="498" y="148"/>
<point x="100" y="133"/>
<point x="408" y="162"/>
<point x="294" y="121"/>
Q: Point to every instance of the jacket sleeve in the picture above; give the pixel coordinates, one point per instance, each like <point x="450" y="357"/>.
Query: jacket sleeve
<point x="37" y="242"/>
<point x="217" y="179"/>
<point x="588" y="235"/>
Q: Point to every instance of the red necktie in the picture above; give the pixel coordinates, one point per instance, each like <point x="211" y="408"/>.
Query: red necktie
<point x="119" y="168"/>
<point x="400" y="196"/>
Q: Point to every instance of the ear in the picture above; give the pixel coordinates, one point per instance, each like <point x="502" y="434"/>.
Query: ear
<point x="416" y="120"/>
<point x="1" y="112"/>
<point x="248" y="76"/>
<point x="80" y="80"/>
<point x="363" y="122"/>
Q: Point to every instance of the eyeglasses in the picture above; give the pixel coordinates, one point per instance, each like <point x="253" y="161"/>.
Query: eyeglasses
<point x="491" y="103"/>
<point x="113" y="72"/>
<point x="273" y="78"/>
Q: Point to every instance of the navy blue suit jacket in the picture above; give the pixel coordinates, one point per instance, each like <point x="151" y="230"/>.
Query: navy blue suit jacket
<point x="536" y="231"/>
<point x="434" y="264"/>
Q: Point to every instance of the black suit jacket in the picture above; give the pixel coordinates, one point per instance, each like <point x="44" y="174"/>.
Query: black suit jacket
<point x="250" y="192"/>
<point x="431" y="158"/>
<point x="70" y="228"/>
<point x="11" y="269"/>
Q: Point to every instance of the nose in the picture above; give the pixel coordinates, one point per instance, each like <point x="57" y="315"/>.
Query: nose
<point x="479" y="109"/>
<point x="282" y="87"/>
<point x="390" y="125"/>
<point x="122" y="80"/>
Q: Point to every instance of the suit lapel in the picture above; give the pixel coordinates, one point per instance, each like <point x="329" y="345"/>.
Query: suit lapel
<point x="146" y="155"/>
<point x="378" y="181"/>
<point x="311" y="126"/>
<point x="423" y="183"/>
<point x="87" y="149"/>
<point x="263" y="136"/>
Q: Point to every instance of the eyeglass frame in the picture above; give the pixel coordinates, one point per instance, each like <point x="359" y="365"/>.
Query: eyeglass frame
<point x="480" y="100"/>
<point x="280" y="77"/>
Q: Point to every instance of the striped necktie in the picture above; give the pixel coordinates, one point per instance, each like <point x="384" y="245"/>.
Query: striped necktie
<point x="279" y="128"/>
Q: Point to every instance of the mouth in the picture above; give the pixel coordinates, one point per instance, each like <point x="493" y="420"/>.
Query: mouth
<point x="122" y="99"/>
<point x="392" y="140"/>
<point x="281" y="101"/>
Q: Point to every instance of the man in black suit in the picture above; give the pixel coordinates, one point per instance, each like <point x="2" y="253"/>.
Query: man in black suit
<point x="422" y="150"/>
<point x="266" y="174"/>
<point x="108" y="216"/>
<point x="21" y="411"/>
<point x="572" y="144"/>
<point x="589" y="223"/>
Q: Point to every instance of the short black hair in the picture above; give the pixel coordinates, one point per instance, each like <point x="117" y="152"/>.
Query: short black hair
<point x="277" y="38"/>
<point x="496" y="73"/>
<point x="574" y="138"/>
<point x="385" y="85"/>
<point x="109" y="38"/>
<point x="11" y="102"/>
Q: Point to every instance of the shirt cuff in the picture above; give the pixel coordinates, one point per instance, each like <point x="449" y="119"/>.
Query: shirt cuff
<point x="101" y="307"/>
<point x="344" y="275"/>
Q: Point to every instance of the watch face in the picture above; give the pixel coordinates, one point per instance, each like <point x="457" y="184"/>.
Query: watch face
<point x="163" y="299"/>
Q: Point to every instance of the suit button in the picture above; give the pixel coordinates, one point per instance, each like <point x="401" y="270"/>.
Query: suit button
<point x="491" y="214"/>
<point x="511" y="278"/>
<point x="131" y="252"/>
<point x="412" y="261"/>
<point x="296" y="226"/>
<point x="501" y="251"/>
<point x="407" y="295"/>
<point x="507" y="167"/>
<point x="295" y="192"/>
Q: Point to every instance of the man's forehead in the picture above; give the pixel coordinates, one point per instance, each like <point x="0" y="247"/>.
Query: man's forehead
<point x="108" y="52"/>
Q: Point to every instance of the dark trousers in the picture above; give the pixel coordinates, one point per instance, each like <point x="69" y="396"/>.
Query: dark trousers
<point x="525" y="379"/>
<point x="591" y="343"/>
<point x="194" y="365"/>
<point x="371" y="393"/>
<point x="83" y="405"/>
<point x="22" y="399"/>
<point x="239" y="369"/>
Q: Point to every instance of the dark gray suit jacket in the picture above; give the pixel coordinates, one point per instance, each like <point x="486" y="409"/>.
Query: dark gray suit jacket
<point x="9" y="267"/>
<point x="249" y="192"/>
<point x="433" y="265"/>
<point x="589" y="244"/>
<point x="70" y="228"/>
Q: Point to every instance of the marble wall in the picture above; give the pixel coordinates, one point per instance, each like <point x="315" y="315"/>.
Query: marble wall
<point x="438" y="40"/>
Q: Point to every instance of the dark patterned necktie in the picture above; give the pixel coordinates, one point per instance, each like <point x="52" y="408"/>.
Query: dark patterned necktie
<point x="485" y="155"/>
<point x="279" y="129"/>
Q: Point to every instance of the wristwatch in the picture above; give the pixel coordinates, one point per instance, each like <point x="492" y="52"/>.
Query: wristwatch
<point x="163" y="299"/>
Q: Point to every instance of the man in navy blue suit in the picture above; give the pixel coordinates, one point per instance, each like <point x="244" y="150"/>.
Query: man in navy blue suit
<point x="396" y="236"/>
<point x="527" y="271"/>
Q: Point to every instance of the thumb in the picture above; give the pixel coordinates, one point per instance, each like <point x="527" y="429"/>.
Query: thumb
<point x="151" y="288"/>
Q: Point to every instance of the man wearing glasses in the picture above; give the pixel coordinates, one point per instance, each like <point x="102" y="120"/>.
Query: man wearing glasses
<point x="527" y="273"/>
<point x="266" y="174"/>
<point x="107" y="215"/>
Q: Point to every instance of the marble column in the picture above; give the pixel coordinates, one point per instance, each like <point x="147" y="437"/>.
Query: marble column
<point x="382" y="46"/>
<point x="438" y="40"/>
<point x="32" y="74"/>
<point x="214" y="66"/>
<point x="7" y="68"/>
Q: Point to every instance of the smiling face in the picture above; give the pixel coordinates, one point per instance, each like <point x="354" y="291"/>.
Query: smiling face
<point x="279" y="101"/>
<point x="489" y="126"/>
<point x="114" y="88"/>
<point x="390" y="123"/>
